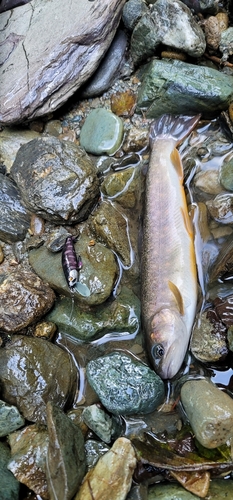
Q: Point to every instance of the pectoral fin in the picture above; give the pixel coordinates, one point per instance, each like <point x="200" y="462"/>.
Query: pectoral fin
<point x="176" y="161"/>
<point x="177" y="295"/>
<point x="187" y="222"/>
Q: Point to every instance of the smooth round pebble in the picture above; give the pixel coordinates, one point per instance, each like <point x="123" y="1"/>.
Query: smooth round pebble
<point x="102" y="132"/>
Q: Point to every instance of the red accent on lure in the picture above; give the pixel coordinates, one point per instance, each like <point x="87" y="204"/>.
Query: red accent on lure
<point x="70" y="264"/>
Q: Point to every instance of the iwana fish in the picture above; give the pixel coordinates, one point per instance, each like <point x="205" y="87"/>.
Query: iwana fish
<point x="169" y="278"/>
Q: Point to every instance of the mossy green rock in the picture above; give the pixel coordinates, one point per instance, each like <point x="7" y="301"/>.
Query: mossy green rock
<point x="102" y="132"/>
<point x="120" y="315"/>
<point x="124" y="385"/>
<point x="10" y="419"/>
<point x="226" y="175"/>
<point x="180" y="88"/>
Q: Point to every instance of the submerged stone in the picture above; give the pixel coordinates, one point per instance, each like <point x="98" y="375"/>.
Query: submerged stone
<point x="121" y="315"/>
<point x="124" y="385"/>
<point x="208" y="341"/>
<point x="181" y="88"/>
<point x="226" y="174"/>
<point x="99" y="422"/>
<point x="210" y="412"/>
<point x="102" y="132"/>
<point x="169" y="492"/>
<point x="94" y="450"/>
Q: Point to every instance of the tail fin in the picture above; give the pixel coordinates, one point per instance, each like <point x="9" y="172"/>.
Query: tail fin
<point x="175" y="127"/>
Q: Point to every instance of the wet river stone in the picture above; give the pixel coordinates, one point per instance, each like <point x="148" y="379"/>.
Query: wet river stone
<point x="181" y="88"/>
<point x="9" y="485"/>
<point x="10" y="142"/>
<point x="57" y="179"/>
<point x="102" y="132"/>
<point x="121" y="315"/>
<point x="112" y="473"/>
<point x="33" y="371"/>
<point x="44" y="75"/>
<point x="10" y="419"/>
<point x="24" y="298"/>
<point x="99" y="271"/>
<point x="208" y="341"/>
<point x="125" y="386"/>
<point x="15" y="219"/>
<point x="169" y="22"/>
<point x="29" y="449"/>
<point x="66" y="463"/>
<point x="209" y="411"/>
<point x="110" y="226"/>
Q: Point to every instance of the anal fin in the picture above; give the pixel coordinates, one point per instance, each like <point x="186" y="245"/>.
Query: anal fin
<point x="179" y="299"/>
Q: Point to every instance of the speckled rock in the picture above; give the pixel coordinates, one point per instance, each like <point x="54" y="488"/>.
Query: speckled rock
<point x="102" y="132"/>
<point x="66" y="463"/>
<point x="99" y="270"/>
<point x="113" y="472"/>
<point x="110" y="226"/>
<point x="124" y="385"/>
<point x="9" y="485"/>
<point x="33" y="371"/>
<point x="15" y="219"/>
<point x="226" y="43"/>
<point x="133" y="10"/>
<point x="120" y="315"/>
<point x="208" y="341"/>
<point x="16" y="310"/>
<point x="29" y="449"/>
<point x="94" y="450"/>
<point x="56" y="179"/>
<point x="75" y="37"/>
<point x="209" y="410"/>
<point x="221" y="208"/>
<point x="99" y="422"/>
<point x="170" y="22"/>
<point x="10" y="142"/>
<point x="226" y="174"/>
<point x="181" y="88"/>
<point x="10" y="419"/>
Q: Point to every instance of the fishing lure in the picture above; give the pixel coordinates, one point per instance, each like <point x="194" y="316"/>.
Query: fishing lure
<point x="71" y="267"/>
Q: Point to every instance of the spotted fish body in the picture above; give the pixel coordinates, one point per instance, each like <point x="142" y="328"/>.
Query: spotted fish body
<point x="169" y="280"/>
<point x="70" y="263"/>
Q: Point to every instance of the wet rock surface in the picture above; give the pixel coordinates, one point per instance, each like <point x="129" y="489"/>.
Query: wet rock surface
<point x="116" y="467"/>
<point x="14" y="216"/>
<point x="65" y="465"/>
<point x="177" y="87"/>
<point x="102" y="132"/>
<point x="9" y="485"/>
<point x="10" y="419"/>
<point x="76" y="52"/>
<point x="33" y="371"/>
<point x="24" y="299"/>
<point x="113" y="379"/>
<point x="57" y="180"/>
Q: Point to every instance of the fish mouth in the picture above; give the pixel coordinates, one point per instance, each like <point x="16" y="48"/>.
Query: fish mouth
<point x="170" y="365"/>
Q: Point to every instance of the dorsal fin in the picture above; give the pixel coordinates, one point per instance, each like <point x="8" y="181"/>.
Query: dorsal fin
<point x="176" y="292"/>
<point x="176" y="161"/>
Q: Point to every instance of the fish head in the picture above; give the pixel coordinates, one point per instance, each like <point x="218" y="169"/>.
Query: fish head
<point x="167" y="342"/>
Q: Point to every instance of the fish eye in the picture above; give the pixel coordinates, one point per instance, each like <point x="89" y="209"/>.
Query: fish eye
<point x="159" y="350"/>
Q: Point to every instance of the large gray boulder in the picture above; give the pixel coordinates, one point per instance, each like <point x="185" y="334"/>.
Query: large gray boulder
<point x="48" y="50"/>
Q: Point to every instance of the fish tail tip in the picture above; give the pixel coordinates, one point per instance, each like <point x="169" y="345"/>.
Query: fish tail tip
<point x="175" y="127"/>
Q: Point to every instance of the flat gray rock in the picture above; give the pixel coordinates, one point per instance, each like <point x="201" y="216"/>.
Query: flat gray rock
<point x="48" y="50"/>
